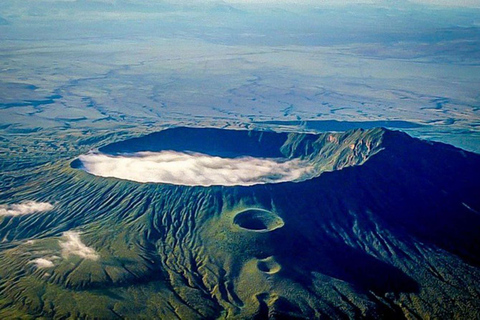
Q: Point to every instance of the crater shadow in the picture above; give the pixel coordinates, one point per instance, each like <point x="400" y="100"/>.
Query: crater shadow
<point x="258" y="220"/>
<point x="268" y="265"/>
<point x="211" y="141"/>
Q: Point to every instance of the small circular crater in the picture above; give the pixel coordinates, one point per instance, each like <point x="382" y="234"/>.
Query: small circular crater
<point x="268" y="265"/>
<point x="258" y="220"/>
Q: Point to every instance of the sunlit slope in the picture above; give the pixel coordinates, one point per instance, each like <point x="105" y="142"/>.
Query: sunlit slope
<point x="389" y="229"/>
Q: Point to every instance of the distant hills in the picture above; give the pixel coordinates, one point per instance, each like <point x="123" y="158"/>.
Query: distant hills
<point x="387" y="229"/>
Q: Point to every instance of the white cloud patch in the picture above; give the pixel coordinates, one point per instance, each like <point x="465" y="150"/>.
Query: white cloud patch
<point x="71" y="244"/>
<point x="194" y="169"/>
<point x="42" y="263"/>
<point x="24" y="208"/>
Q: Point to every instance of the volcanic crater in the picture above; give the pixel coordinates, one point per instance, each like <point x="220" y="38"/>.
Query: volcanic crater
<point x="208" y="156"/>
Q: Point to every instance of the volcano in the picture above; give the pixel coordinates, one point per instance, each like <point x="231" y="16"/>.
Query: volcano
<point x="363" y="224"/>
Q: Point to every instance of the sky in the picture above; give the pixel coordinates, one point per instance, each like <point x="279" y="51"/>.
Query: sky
<point x="451" y="3"/>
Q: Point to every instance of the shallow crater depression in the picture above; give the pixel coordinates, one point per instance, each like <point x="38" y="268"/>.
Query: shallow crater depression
<point x="208" y="157"/>
<point x="258" y="220"/>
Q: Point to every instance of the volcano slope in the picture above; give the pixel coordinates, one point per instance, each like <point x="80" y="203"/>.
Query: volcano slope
<point x="385" y="226"/>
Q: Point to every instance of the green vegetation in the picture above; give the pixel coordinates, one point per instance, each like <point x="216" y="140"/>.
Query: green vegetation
<point x="388" y="229"/>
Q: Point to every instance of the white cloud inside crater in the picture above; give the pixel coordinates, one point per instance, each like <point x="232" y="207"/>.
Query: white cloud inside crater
<point x="71" y="244"/>
<point x="194" y="169"/>
<point x="24" y="208"/>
